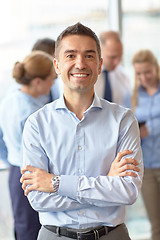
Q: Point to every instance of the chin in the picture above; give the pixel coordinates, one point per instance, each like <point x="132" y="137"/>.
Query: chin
<point x="113" y="68"/>
<point x="46" y="93"/>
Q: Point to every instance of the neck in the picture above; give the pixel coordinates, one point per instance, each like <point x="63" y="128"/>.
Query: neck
<point x="30" y="91"/>
<point x="152" y="89"/>
<point x="78" y="102"/>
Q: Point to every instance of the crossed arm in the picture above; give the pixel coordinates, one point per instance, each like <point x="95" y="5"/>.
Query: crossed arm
<point x="40" y="180"/>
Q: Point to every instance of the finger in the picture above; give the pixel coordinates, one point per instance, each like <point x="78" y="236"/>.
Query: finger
<point x="122" y="154"/>
<point x="26" y="184"/>
<point x="28" y="168"/>
<point x="128" y="173"/>
<point x="129" y="161"/>
<point x="128" y="167"/>
<point x="21" y="179"/>
<point x="23" y="187"/>
<point x="28" y="189"/>
<point x="24" y="169"/>
<point x="25" y="177"/>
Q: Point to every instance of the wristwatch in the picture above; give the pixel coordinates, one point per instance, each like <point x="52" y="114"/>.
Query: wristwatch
<point x="55" y="182"/>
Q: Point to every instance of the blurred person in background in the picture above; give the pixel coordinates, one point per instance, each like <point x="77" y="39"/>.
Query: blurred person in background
<point x="113" y="82"/>
<point x="146" y="105"/>
<point x="35" y="74"/>
<point x="48" y="45"/>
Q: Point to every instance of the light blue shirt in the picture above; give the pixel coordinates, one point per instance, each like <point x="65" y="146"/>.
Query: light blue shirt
<point x="3" y="149"/>
<point x="148" y="109"/>
<point x="81" y="151"/>
<point x="14" y="110"/>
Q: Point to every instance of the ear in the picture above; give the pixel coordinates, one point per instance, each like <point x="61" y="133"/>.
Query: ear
<point x="100" y="66"/>
<point x="56" y="66"/>
<point x="36" y="81"/>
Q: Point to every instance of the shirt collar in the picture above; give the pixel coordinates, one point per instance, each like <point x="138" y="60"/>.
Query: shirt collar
<point x="60" y="103"/>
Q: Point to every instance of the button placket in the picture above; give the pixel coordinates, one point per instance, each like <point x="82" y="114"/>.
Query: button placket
<point x="80" y="149"/>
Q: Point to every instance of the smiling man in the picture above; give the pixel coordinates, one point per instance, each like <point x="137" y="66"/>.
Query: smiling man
<point x="75" y="140"/>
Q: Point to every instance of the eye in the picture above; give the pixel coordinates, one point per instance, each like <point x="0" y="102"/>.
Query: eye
<point x="70" y="56"/>
<point x="89" y="56"/>
<point x="138" y="74"/>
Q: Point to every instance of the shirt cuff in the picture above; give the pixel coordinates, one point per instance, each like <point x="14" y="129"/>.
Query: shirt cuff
<point x="68" y="186"/>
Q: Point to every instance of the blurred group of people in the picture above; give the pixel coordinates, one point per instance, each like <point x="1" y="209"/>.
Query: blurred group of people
<point x="37" y="85"/>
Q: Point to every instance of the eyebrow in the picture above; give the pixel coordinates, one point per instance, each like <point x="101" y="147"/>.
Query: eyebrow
<point x="75" y="51"/>
<point x="90" y="51"/>
<point x="69" y="51"/>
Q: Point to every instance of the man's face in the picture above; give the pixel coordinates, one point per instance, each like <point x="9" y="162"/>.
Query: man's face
<point x="111" y="54"/>
<point x="78" y="63"/>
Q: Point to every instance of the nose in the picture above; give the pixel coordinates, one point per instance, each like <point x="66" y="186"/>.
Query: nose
<point x="80" y="62"/>
<point x="142" y="77"/>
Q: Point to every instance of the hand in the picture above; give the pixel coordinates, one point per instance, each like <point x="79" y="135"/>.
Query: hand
<point x="143" y="131"/>
<point x="121" y="167"/>
<point x="37" y="179"/>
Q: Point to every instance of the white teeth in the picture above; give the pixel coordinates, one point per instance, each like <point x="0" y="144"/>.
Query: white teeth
<point x="79" y="75"/>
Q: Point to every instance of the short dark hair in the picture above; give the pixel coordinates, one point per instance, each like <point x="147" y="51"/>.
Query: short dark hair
<point x="77" y="29"/>
<point x="45" y="44"/>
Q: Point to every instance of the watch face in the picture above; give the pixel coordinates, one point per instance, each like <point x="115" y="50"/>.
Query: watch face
<point x="55" y="181"/>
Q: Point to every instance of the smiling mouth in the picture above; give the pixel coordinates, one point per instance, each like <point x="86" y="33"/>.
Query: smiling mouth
<point x="79" y="75"/>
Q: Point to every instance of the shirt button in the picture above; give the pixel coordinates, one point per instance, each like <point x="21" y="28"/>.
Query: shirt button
<point x="79" y="125"/>
<point x="81" y="213"/>
<point x="79" y="147"/>
<point x="80" y="170"/>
